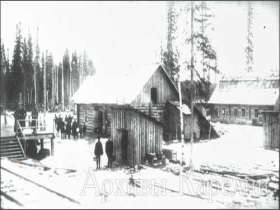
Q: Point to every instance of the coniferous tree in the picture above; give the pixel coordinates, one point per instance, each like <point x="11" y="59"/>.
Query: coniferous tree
<point x="30" y="71"/>
<point x="202" y="19"/>
<point x="250" y="47"/>
<point x="66" y="76"/>
<point x="75" y="73"/>
<point x="49" y="72"/>
<point x="91" y="68"/>
<point x="60" y="83"/>
<point x="3" y="75"/>
<point x="170" y="56"/>
<point x="25" y="70"/>
<point x="16" y="82"/>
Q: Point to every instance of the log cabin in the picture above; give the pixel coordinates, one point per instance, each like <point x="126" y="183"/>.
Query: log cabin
<point x="241" y="101"/>
<point x="133" y="110"/>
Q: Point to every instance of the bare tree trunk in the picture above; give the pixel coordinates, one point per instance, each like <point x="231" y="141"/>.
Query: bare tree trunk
<point x="192" y="97"/>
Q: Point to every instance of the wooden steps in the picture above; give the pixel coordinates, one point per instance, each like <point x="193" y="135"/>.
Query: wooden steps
<point x="11" y="148"/>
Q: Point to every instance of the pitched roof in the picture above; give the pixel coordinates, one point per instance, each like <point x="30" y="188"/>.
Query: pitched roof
<point x="245" y="92"/>
<point x="116" y="89"/>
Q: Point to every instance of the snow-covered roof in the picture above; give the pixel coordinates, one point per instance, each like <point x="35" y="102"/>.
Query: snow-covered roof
<point x="114" y="89"/>
<point x="245" y="94"/>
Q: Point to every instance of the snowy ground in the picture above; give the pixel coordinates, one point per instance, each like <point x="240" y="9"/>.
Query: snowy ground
<point x="239" y="149"/>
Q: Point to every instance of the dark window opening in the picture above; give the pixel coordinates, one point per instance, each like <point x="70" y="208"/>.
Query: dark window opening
<point x="243" y="112"/>
<point x="154" y="95"/>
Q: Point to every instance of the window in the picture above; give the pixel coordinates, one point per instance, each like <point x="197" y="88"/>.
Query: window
<point x="243" y="112"/>
<point x="256" y="113"/>
<point x="154" y="98"/>
<point x="235" y="112"/>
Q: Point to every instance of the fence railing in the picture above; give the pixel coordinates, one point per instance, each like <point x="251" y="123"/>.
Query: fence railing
<point x="22" y="134"/>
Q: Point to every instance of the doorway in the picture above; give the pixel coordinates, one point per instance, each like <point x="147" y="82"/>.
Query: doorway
<point x="124" y="145"/>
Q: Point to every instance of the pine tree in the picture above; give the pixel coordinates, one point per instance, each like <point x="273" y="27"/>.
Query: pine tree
<point x="170" y="56"/>
<point x="16" y="82"/>
<point x="59" y="83"/>
<point x="91" y="68"/>
<point x="66" y="76"/>
<point x="202" y="18"/>
<point x="75" y="73"/>
<point x="3" y="76"/>
<point x="25" y="70"/>
<point x="249" y="48"/>
<point x="84" y="66"/>
<point x="49" y="72"/>
<point x="30" y="71"/>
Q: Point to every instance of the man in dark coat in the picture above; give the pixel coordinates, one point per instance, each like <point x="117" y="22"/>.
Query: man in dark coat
<point x="98" y="151"/>
<point x="109" y="152"/>
<point x="74" y="129"/>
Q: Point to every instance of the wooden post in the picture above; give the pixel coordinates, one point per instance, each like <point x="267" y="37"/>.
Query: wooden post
<point x="52" y="146"/>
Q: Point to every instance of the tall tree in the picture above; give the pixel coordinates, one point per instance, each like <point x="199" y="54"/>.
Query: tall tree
<point x="90" y="68"/>
<point x="170" y="56"/>
<point x="202" y="18"/>
<point x="25" y="70"/>
<point x="30" y="71"/>
<point x="250" y="47"/>
<point x="16" y="82"/>
<point x="75" y="73"/>
<point x="60" y="83"/>
<point x="3" y="75"/>
<point x="66" y="76"/>
<point x="49" y="84"/>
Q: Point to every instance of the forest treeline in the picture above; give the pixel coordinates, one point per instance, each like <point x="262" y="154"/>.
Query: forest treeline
<point x="32" y="77"/>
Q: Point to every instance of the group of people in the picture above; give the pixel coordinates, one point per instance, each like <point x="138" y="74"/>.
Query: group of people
<point x="69" y="126"/>
<point x="98" y="152"/>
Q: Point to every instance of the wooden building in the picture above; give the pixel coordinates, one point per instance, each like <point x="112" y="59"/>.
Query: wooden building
<point x="132" y="106"/>
<point x="271" y="125"/>
<point x="241" y="101"/>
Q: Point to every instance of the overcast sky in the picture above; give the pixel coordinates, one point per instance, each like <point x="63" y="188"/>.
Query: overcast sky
<point x="117" y="34"/>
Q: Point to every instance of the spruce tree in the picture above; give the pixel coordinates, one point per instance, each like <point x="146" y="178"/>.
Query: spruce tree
<point x="3" y="76"/>
<point x="66" y="76"/>
<point x="16" y="82"/>
<point x="170" y="56"/>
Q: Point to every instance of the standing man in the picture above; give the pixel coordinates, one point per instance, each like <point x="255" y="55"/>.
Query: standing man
<point x="109" y="152"/>
<point x="98" y="151"/>
<point x="74" y="129"/>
